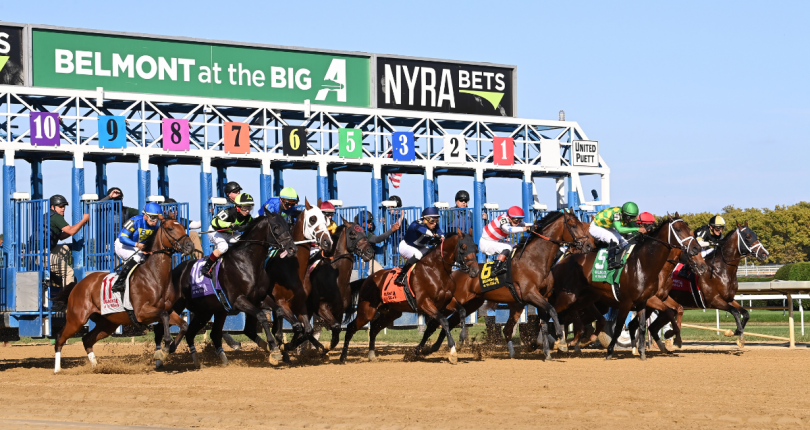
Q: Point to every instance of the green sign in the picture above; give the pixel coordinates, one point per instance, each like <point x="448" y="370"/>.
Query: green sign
<point x="128" y="64"/>
<point x="351" y="142"/>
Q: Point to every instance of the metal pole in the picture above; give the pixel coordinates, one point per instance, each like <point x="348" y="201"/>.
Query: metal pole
<point x="427" y="188"/>
<point x="144" y="181"/>
<point x="265" y="182"/>
<point x="528" y="197"/>
<point x="205" y="198"/>
<point x="9" y="188"/>
<point x="163" y="180"/>
<point x="801" y="313"/>
<point x="76" y="214"/>
<point x="790" y="321"/>
<point x="717" y="311"/>
<point x="101" y="178"/>
<point x="36" y="179"/>
<point x="322" y="182"/>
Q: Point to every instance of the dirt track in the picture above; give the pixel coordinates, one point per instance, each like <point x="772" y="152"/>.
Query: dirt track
<point x="761" y="387"/>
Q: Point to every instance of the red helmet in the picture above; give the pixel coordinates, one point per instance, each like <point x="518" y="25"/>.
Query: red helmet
<point x="515" y="212"/>
<point x="645" y="218"/>
<point x="327" y="207"/>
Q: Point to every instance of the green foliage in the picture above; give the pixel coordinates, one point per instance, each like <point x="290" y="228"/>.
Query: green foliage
<point x="784" y="230"/>
<point x="783" y="274"/>
<point x="794" y="272"/>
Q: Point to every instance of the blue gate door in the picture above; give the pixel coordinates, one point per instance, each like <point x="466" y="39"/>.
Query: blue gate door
<point x="354" y="214"/>
<point x="100" y="234"/>
<point x="32" y="256"/>
<point x="406" y="216"/>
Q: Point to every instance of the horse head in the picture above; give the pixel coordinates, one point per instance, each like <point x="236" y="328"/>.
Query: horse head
<point x="356" y="240"/>
<point x="679" y="235"/>
<point x="279" y="234"/>
<point x="747" y="239"/>
<point x="576" y="232"/>
<point x="313" y="223"/>
<point x="464" y="252"/>
<point x="172" y="236"/>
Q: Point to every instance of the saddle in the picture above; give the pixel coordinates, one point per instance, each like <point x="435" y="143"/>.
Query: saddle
<point x="490" y="282"/>
<point x="688" y="285"/>
<point x="395" y="293"/>
<point x="601" y="273"/>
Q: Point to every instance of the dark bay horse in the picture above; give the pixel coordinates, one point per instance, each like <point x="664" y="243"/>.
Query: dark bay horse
<point x="152" y="295"/>
<point x="430" y="282"/>
<point x="531" y="276"/>
<point x="243" y="279"/>
<point x="639" y="279"/>
<point x="329" y="294"/>
<point x="719" y="285"/>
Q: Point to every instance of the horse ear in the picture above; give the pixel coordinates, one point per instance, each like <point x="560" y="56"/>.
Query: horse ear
<point x="746" y="223"/>
<point x="345" y="221"/>
<point x="161" y="218"/>
<point x="458" y="231"/>
<point x="319" y="202"/>
<point x="470" y="231"/>
<point x="677" y="215"/>
<point x="738" y="224"/>
<point x="306" y="202"/>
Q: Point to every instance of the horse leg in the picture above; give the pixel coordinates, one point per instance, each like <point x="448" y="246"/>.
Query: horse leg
<point x="244" y="305"/>
<point x="543" y="339"/>
<point x="177" y="320"/>
<point x="667" y="315"/>
<point x="430" y="309"/>
<point x="430" y="328"/>
<point x="540" y="302"/>
<point x="73" y="325"/>
<point x="743" y="319"/>
<point x="515" y="311"/>
<point x="102" y="329"/>
<point x="216" y="336"/>
<point x="198" y="322"/>
<point x="624" y="309"/>
<point x="579" y="329"/>
<point x="642" y="333"/>
<point x="462" y="316"/>
<point x="365" y="313"/>
<point x="632" y="328"/>
<point x="377" y="325"/>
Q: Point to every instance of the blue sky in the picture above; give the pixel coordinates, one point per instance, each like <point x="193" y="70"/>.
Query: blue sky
<point x="696" y="105"/>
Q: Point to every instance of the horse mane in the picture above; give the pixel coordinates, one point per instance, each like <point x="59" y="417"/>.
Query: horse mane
<point x="335" y="238"/>
<point x="252" y="225"/>
<point x="447" y="236"/>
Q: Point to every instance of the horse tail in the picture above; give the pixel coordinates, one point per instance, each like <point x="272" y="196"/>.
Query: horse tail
<point x="355" y="289"/>
<point x="62" y="297"/>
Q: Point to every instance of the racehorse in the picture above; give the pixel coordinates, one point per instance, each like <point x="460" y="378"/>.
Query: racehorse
<point x="719" y="285"/>
<point x="639" y="279"/>
<point x="429" y="281"/>
<point x="329" y="294"/>
<point x="531" y="276"/>
<point x="243" y="280"/>
<point x="151" y="294"/>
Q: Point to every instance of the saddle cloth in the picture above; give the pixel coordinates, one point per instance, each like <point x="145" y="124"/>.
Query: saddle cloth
<point x="395" y="293"/>
<point x="202" y="286"/>
<point x="111" y="302"/>
<point x="600" y="271"/>
<point x="687" y="285"/>
<point x="490" y="282"/>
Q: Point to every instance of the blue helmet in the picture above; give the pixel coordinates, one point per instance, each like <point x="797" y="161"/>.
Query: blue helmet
<point x="430" y="212"/>
<point x="153" y="209"/>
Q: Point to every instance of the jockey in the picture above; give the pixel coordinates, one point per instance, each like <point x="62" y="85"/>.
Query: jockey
<point x="610" y="224"/>
<point x="132" y="239"/>
<point x="420" y="236"/>
<point x="228" y="225"/>
<point x="328" y="210"/>
<point x="283" y="204"/>
<point x="646" y="219"/>
<point x="232" y="189"/>
<point x="491" y="242"/>
<point x="711" y="233"/>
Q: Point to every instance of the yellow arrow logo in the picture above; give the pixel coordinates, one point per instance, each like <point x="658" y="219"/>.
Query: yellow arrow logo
<point x="492" y="97"/>
<point x="3" y="60"/>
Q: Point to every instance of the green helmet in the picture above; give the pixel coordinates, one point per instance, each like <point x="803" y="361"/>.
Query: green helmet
<point x="630" y="209"/>
<point x="244" y="199"/>
<point x="288" y="193"/>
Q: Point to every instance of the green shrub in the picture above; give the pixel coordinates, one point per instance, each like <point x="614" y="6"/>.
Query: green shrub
<point x="794" y="272"/>
<point x="783" y="274"/>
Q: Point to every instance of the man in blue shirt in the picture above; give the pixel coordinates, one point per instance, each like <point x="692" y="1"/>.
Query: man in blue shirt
<point x="132" y="240"/>
<point x="284" y="204"/>
<point x="421" y="235"/>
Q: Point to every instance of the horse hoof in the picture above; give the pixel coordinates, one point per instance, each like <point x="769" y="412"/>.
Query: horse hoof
<point x="196" y="361"/>
<point x="561" y="346"/>
<point x="729" y="333"/>
<point x="577" y="349"/>
<point x="172" y="348"/>
<point x="453" y="356"/>
<point x="609" y="357"/>
<point x="511" y="349"/>
<point x="274" y="358"/>
<point x="262" y="345"/>
<point x="635" y="350"/>
<point x="643" y="356"/>
<point x="741" y="343"/>
<point x="158" y="364"/>
<point x="223" y="358"/>
<point x="372" y="357"/>
<point x="669" y="343"/>
<point x="604" y="339"/>
<point x="662" y="347"/>
<point x="547" y="357"/>
<point x="159" y="355"/>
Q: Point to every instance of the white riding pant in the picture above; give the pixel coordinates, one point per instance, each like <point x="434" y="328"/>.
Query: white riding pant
<point x="606" y="235"/>
<point x="491" y="247"/>
<point x="125" y="251"/>
<point x="409" y="251"/>
<point x="222" y="240"/>
<point x="706" y="252"/>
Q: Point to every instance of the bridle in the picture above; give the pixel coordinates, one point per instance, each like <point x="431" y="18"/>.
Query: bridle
<point x="352" y="246"/>
<point x="749" y="249"/>
<point x="459" y="260"/>
<point x="275" y="241"/>
<point x="578" y="242"/>
<point x="313" y="232"/>
<point x="175" y="242"/>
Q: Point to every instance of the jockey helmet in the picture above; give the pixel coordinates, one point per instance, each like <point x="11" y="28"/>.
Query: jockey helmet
<point x="515" y="212"/>
<point x="152" y="209"/>
<point x="244" y="199"/>
<point x="232" y="187"/>
<point x="288" y="193"/>
<point x="396" y="199"/>
<point x="58" y="200"/>
<point x="645" y="218"/>
<point x="717" y="221"/>
<point x="462" y="196"/>
<point x="430" y="212"/>
<point x="327" y="208"/>
<point x="630" y="209"/>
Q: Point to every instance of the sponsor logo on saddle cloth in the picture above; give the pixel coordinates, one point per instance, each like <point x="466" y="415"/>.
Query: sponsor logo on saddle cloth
<point x="111" y="303"/>
<point x="394" y="293"/>
<point x="600" y="272"/>
<point x="490" y="282"/>
<point x="686" y="285"/>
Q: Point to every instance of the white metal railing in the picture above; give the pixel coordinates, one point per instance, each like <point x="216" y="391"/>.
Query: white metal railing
<point x="754" y="271"/>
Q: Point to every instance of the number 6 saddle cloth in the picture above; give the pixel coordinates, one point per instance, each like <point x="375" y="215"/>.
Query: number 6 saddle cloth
<point x="490" y="282"/>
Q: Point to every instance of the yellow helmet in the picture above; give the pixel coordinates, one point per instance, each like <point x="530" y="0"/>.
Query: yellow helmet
<point x="717" y="221"/>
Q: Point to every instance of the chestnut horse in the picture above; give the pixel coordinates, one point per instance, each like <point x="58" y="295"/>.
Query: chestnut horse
<point x="639" y="279"/>
<point x="243" y="280"/>
<point x="329" y="294"/>
<point x="531" y="276"/>
<point x="431" y="286"/>
<point x="151" y="293"/>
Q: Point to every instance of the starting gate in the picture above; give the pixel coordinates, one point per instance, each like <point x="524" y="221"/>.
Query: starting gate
<point x="405" y="216"/>
<point x="355" y="214"/>
<point x="100" y="234"/>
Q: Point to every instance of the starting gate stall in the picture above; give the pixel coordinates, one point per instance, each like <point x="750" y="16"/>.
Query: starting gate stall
<point x="351" y="213"/>
<point x="100" y="234"/>
<point x="180" y="211"/>
<point x="406" y="216"/>
<point x="452" y="218"/>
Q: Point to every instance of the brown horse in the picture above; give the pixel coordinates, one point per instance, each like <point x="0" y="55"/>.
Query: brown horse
<point x="639" y="279"/>
<point x="151" y="294"/>
<point x="531" y="276"/>
<point x="719" y="285"/>
<point x="327" y="286"/>
<point x="429" y="282"/>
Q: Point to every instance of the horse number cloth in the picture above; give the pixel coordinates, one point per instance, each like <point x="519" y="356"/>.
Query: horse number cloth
<point x="395" y="293"/>
<point x="111" y="303"/>
<point x="600" y="264"/>
<point x="202" y="286"/>
<point x="687" y="285"/>
<point x="491" y="282"/>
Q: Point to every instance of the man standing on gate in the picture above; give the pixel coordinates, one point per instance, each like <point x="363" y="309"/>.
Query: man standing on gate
<point x="61" y="230"/>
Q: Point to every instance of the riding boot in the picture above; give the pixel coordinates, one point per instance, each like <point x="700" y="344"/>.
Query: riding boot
<point x="208" y="268"/>
<point x="500" y="263"/>
<point x="123" y="271"/>
<point x="614" y="257"/>
<point x="401" y="277"/>
<point x="685" y="272"/>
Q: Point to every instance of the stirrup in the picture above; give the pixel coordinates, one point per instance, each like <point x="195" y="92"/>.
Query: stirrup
<point x="615" y="289"/>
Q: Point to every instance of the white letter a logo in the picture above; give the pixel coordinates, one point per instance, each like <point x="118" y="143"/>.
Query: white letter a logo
<point x="336" y="74"/>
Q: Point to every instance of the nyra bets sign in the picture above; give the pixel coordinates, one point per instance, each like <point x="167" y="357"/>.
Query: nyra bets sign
<point x="585" y="153"/>
<point x="444" y="87"/>
<point x="64" y="59"/>
<point x="11" y="56"/>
